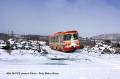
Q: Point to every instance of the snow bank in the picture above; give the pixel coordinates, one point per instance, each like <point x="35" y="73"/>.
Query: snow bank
<point x="101" y="48"/>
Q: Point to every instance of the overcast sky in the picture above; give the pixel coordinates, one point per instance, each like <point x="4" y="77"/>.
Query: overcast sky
<point x="43" y="17"/>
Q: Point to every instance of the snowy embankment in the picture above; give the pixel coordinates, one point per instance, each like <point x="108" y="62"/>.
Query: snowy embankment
<point x="27" y="64"/>
<point x="87" y="63"/>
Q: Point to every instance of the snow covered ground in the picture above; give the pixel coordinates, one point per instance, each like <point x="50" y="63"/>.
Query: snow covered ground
<point x="81" y="64"/>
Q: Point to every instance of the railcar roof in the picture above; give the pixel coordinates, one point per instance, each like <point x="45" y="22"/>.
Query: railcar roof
<point x="65" y="32"/>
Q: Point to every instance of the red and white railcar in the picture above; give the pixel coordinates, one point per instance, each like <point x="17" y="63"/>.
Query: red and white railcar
<point x="64" y="41"/>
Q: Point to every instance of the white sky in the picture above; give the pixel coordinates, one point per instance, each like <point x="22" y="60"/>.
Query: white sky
<point x="43" y="17"/>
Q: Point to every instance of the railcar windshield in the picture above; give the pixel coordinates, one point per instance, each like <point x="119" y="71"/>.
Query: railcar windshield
<point x="75" y="36"/>
<point x="70" y="36"/>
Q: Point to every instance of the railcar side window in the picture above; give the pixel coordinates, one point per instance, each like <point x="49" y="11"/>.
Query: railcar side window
<point x="67" y="37"/>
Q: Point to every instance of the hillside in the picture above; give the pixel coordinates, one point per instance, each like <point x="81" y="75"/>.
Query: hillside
<point x="108" y="36"/>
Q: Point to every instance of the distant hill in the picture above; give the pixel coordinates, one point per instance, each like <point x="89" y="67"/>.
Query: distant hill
<point x="107" y="36"/>
<point x="4" y="36"/>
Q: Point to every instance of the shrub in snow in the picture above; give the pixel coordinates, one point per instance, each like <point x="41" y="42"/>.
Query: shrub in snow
<point x="116" y="45"/>
<point x="107" y="51"/>
<point x="107" y="42"/>
<point x="81" y="46"/>
<point x="2" y="44"/>
<point x="11" y="41"/>
<point x="101" y="47"/>
<point x="44" y="52"/>
<point x="42" y="42"/>
<point x="8" y="46"/>
<point x="117" y="51"/>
